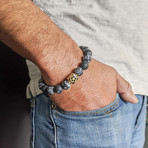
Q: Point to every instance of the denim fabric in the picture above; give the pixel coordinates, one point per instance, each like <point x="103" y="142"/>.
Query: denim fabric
<point x="118" y="125"/>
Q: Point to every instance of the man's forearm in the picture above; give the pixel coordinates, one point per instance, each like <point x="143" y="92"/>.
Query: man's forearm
<point x="33" y="35"/>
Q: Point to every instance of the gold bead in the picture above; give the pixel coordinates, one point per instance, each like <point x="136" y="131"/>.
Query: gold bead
<point x="72" y="78"/>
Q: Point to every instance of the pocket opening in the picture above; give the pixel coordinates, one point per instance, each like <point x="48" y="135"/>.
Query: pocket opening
<point x="101" y="111"/>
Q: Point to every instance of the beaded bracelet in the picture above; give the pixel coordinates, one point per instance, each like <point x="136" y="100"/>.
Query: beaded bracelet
<point x="71" y="79"/>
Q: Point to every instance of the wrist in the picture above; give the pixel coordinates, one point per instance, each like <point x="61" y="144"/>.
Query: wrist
<point x="64" y="60"/>
<point x="71" y="79"/>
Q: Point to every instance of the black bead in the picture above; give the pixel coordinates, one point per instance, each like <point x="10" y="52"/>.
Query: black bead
<point x="44" y="88"/>
<point x="79" y="71"/>
<point x="84" y="48"/>
<point x="41" y="84"/>
<point x="87" y="52"/>
<point x="81" y="47"/>
<point x="87" y="58"/>
<point x="40" y="80"/>
<point x="65" y="84"/>
<point x="58" y="89"/>
<point x="84" y="65"/>
<point x="50" y="90"/>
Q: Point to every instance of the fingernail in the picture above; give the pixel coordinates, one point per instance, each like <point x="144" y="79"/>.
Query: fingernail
<point x="136" y="99"/>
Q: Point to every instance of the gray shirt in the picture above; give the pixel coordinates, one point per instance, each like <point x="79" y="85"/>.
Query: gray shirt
<point x="115" y="30"/>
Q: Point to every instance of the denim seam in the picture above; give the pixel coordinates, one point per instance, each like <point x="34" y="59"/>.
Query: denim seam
<point x="141" y="109"/>
<point x="33" y="123"/>
<point x="116" y="103"/>
<point x="55" y="129"/>
<point x="112" y="109"/>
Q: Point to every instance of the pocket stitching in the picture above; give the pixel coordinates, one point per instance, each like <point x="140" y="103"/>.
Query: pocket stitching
<point x="116" y="103"/>
<point x="112" y="109"/>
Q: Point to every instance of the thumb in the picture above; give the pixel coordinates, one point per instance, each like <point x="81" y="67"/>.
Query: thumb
<point x="125" y="90"/>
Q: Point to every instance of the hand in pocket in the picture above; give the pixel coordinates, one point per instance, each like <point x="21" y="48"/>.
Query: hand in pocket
<point x="95" y="89"/>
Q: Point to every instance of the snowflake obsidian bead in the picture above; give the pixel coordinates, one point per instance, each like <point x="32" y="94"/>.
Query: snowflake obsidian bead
<point x="44" y="88"/>
<point x="58" y="89"/>
<point x="84" y="65"/>
<point x="87" y="58"/>
<point x="79" y="71"/>
<point x="83" y="48"/>
<point x="66" y="84"/>
<point x="41" y="84"/>
<point x="50" y="90"/>
<point x="87" y="52"/>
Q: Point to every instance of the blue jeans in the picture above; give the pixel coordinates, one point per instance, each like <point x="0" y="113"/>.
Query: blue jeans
<point x="118" y="125"/>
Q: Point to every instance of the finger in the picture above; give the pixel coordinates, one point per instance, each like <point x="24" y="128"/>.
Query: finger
<point x="125" y="90"/>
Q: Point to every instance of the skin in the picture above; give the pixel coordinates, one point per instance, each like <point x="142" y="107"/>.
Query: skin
<point x="32" y="34"/>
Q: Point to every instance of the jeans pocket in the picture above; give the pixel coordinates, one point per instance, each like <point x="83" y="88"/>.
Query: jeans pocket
<point x="89" y="129"/>
<point x="115" y="105"/>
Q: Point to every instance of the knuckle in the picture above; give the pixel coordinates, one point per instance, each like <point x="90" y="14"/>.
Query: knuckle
<point x="113" y="70"/>
<point x="129" y="87"/>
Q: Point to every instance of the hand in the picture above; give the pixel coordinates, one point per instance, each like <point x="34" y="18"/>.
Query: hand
<point x="96" y="88"/>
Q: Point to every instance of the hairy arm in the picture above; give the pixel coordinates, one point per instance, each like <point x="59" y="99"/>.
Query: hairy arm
<point x="33" y="35"/>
